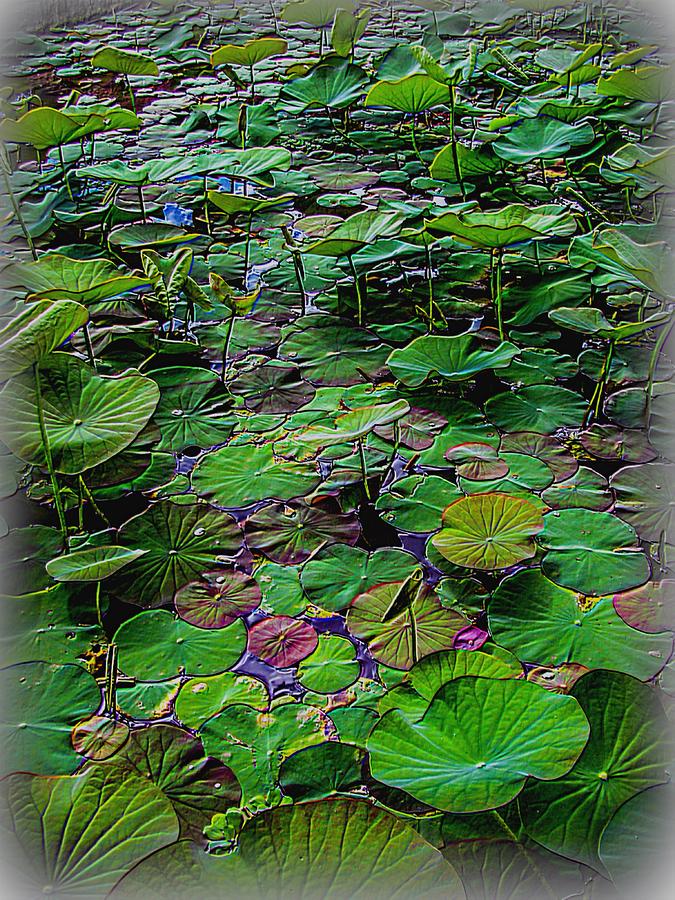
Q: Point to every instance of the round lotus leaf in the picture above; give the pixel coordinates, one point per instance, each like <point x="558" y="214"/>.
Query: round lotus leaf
<point x="99" y="737"/>
<point x="540" y="408"/>
<point x="432" y="672"/>
<point x="332" y="87"/>
<point x="525" y="474"/>
<point x="545" y="448"/>
<point x="336" y="574"/>
<point x="592" y="552"/>
<point x="453" y="358"/>
<point x="550" y="625"/>
<point x="644" y="498"/>
<point x="88" y="418"/>
<point x="45" y="127"/>
<point x="416" y="502"/>
<point x="290" y="533"/>
<point x="488" y="531"/>
<point x="217" y="599"/>
<point x="281" y="641"/>
<point x="477" y="742"/>
<point x="249" y="53"/>
<point x="318" y="772"/>
<point x="331" y="667"/>
<point x="238" y="476"/>
<point x="586" y="489"/>
<point x="181" y="542"/>
<point x="496" y="229"/>
<point x="412" y="94"/>
<point x="273" y="388"/>
<point x="399" y="638"/>
<point x="628" y="751"/>
<point x="290" y="851"/>
<point x="649" y="608"/>
<point x="174" y="760"/>
<point x="78" y="835"/>
<point x="201" y="698"/>
<point x="126" y="61"/>
<point x="282" y="592"/>
<point x="189" y="412"/>
<point x="542" y="137"/>
<point x="41" y="704"/>
<point x="177" y="646"/>
<point x="611" y="442"/>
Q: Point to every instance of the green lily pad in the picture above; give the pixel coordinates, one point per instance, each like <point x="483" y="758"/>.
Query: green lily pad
<point x="488" y="531"/>
<point x="627" y="752"/>
<point x="336" y="574"/>
<point x="79" y="835"/>
<point x="274" y="388"/>
<point x="644" y="498"/>
<point x="238" y="476"/>
<point x="178" y="647"/>
<point x="454" y="358"/>
<point x="318" y="772"/>
<point x="307" y="862"/>
<point x="542" y="138"/>
<point x="416" y="502"/>
<point x="330" y="87"/>
<point x="496" y="229"/>
<point x="648" y="608"/>
<point x="181" y="541"/>
<point x="432" y="672"/>
<point x="88" y="418"/>
<point x="550" y="625"/>
<point x="201" y="698"/>
<point x="592" y="552"/>
<point x="477" y="742"/>
<point x="586" y="489"/>
<point x="58" y="277"/>
<point x="539" y="408"/>
<point x="331" y="667"/>
<point x="412" y="94"/>
<point x="42" y="703"/>
<point x="190" y="413"/>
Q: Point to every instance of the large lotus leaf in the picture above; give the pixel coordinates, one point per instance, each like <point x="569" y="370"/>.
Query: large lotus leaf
<point x="91" y="564"/>
<point x="318" y="772"/>
<point x="138" y="237"/>
<point x="46" y="127"/>
<point x="250" y="53"/>
<point x="525" y="303"/>
<point x="237" y="204"/>
<point x="88" y="418"/>
<point x="355" y="424"/>
<point x="496" y="229"/>
<point x="416" y="502"/>
<point x="58" y="277"/>
<point x="328" y="86"/>
<point x="454" y="358"/>
<point x="636" y="841"/>
<point x="177" y="646"/>
<point x="189" y="412"/>
<point x="592" y="552"/>
<point x="41" y="704"/>
<point x="274" y="388"/>
<point x="356" y="232"/>
<point x="400" y="639"/>
<point x="261" y="124"/>
<point x="290" y="533"/>
<point x="254" y="744"/>
<point x="472" y="162"/>
<point x="628" y="751"/>
<point x="336" y="574"/>
<point x="589" y="320"/>
<point x="38" y="329"/>
<point x="541" y="138"/>
<point x="331" y="667"/>
<point x="173" y="760"/>
<point x="538" y="407"/>
<point x="238" y="476"/>
<point x="644" y="498"/>
<point x="314" y="12"/>
<point x="292" y="852"/>
<point x="477" y="742"/>
<point x="201" y="698"/>
<point x="412" y="94"/>
<point x="56" y="625"/>
<point x="652" y="84"/>
<point x="335" y="352"/>
<point x="181" y="542"/>
<point x="488" y="531"/>
<point x="125" y="61"/>
<point x="550" y="625"/>
<point x="77" y="836"/>
<point x="431" y="673"/>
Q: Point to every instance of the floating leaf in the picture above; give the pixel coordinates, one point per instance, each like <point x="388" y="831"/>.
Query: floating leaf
<point x="331" y="667"/>
<point x="539" y="408"/>
<point x="217" y="599"/>
<point x="281" y="641"/>
<point x="455" y="358"/>
<point x="201" y="698"/>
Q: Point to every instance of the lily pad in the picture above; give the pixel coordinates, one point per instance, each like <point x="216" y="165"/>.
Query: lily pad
<point x="539" y="408"/>
<point x="331" y="667"/>
<point x="453" y="358"/>
<point x="201" y="698"/>
<point x="217" y="599"/>
<point x="281" y="641"/>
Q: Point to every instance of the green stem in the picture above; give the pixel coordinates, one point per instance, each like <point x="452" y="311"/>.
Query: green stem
<point x="252" y="83"/>
<point x="142" y="203"/>
<point x="58" y="502"/>
<point x="430" y="284"/>
<point x="207" y="217"/>
<point x="131" y="94"/>
<point x="88" y="345"/>
<point x="247" y="251"/>
<point x="99" y="616"/>
<point x="297" y="264"/>
<point x="226" y="346"/>
<point x="94" y="505"/>
<point x="65" y="174"/>
<point x="19" y="216"/>
<point x="359" y="295"/>
<point x="364" y="470"/>
<point x="498" y="296"/>
<point x="414" y="139"/>
<point x="453" y="143"/>
<point x="111" y="679"/>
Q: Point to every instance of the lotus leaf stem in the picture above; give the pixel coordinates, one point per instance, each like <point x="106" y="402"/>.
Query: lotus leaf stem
<point x="364" y="470"/>
<point x="226" y="345"/>
<point x="359" y="295"/>
<point x="44" y="437"/>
